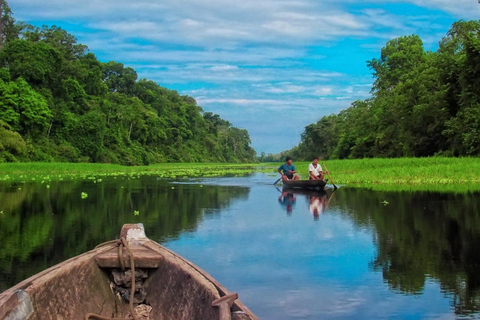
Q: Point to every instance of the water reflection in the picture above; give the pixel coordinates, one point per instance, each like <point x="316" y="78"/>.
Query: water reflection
<point x="420" y="236"/>
<point x="318" y="200"/>
<point x="287" y="200"/>
<point x="42" y="225"/>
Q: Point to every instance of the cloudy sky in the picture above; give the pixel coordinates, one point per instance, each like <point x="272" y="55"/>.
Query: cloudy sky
<point x="270" y="66"/>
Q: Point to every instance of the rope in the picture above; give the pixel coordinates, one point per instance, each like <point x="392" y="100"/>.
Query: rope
<point x="120" y="255"/>
<point x="132" y="267"/>
<point x="121" y="243"/>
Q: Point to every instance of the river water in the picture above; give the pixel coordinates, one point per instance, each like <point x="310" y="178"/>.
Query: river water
<point x="351" y="254"/>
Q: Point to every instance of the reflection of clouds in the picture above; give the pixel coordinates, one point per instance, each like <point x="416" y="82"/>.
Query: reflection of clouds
<point x="326" y="235"/>
<point x="347" y="302"/>
<point x="305" y="303"/>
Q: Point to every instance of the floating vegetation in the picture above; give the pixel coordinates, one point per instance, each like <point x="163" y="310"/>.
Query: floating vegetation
<point x="96" y="172"/>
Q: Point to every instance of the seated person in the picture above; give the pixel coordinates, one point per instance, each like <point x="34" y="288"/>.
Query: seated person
<point x="288" y="169"/>
<point x="315" y="170"/>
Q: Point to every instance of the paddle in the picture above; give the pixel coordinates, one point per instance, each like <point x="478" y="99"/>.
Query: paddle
<point x="329" y="176"/>
<point x="277" y="180"/>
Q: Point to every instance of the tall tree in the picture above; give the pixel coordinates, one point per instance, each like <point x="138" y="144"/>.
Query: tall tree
<point x="8" y="29"/>
<point x="1" y="23"/>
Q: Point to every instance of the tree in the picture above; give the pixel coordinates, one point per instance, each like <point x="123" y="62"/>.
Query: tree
<point x="22" y="108"/>
<point x="38" y="63"/>
<point x="118" y="78"/>
<point x="8" y="29"/>
<point x="1" y="22"/>
<point x="398" y="58"/>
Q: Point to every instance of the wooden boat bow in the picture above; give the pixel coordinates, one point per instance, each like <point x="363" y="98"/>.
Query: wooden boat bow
<point x="171" y="286"/>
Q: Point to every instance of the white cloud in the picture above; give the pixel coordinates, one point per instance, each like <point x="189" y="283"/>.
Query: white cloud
<point x="467" y="9"/>
<point x="243" y="102"/>
<point x="207" y="23"/>
<point x="221" y="68"/>
<point x="229" y="22"/>
<point x="323" y="91"/>
<point x="288" y="88"/>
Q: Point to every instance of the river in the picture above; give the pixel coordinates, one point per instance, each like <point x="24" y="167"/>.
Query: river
<point x="351" y="254"/>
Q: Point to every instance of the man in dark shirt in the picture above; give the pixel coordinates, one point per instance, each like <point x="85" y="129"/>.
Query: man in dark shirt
<point x="288" y="170"/>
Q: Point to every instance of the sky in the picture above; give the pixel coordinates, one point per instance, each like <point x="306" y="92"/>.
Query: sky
<point x="269" y="66"/>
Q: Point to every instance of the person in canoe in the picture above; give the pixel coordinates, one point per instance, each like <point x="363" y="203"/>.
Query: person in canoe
<point x="288" y="169"/>
<point x="315" y="170"/>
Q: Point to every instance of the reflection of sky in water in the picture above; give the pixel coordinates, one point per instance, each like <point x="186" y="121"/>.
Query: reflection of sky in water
<point x="293" y="267"/>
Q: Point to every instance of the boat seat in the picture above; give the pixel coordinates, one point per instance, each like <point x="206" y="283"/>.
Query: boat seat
<point x="144" y="258"/>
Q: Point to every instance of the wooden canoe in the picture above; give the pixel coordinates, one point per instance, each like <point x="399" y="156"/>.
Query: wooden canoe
<point x="304" y="184"/>
<point x="89" y="286"/>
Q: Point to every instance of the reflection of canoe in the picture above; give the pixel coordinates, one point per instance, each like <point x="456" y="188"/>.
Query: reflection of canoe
<point x="167" y="286"/>
<point x="304" y="184"/>
<point x="309" y="192"/>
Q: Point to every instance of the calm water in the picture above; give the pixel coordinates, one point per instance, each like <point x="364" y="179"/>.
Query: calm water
<point x="354" y="254"/>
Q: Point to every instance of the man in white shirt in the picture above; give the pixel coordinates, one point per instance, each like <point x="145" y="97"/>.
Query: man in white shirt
<point x="315" y="170"/>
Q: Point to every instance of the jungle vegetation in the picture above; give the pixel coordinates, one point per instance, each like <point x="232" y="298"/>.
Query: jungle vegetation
<point x="423" y="103"/>
<point x="58" y="102"/>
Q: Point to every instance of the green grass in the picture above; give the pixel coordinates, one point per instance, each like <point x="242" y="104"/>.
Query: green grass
<point x="415" y="174"/>
<point x="427" y="174"/>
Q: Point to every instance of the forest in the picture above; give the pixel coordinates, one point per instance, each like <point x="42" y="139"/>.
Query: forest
<point x="58" y="102"/>
<point x="423" y="104"/>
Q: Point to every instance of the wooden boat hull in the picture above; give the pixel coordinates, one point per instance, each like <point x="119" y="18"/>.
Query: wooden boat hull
<point x="304" y="184"/>
<point x="175" y="288"/>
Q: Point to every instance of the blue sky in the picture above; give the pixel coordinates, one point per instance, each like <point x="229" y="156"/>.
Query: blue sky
<point x="269" y="66"/>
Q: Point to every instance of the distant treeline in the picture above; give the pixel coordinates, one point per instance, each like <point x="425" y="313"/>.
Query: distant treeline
<point x="423" y="104"/>
<point x="59" y="103"/>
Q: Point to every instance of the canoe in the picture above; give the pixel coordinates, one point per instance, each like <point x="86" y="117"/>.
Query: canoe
<point x="98" y="285"/>
<point x="304" y="184"/>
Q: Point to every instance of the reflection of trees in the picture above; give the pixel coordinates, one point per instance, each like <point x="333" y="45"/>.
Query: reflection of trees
<point x="42" y="226"/>
<point x="421" y="235"/>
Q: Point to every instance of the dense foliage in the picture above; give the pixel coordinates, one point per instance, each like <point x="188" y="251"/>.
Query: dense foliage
<point x="59" y="103"/>
<point x="423" y="104"/>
